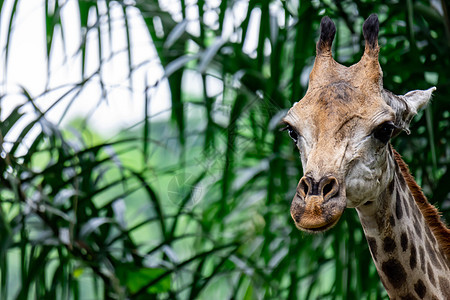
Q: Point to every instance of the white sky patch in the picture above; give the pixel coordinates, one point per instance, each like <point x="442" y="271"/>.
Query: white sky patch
<point x="228" y="24"/>
<point x="47" y="82"/>
<point x="27" y="67"/>
<point x="251" y="39"/>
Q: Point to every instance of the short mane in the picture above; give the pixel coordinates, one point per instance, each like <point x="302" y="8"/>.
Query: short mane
<point x="430" y="213"/>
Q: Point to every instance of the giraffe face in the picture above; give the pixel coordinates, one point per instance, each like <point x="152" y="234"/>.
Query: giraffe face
<point x="342" y="128"/>
<point x="342" y="136"/>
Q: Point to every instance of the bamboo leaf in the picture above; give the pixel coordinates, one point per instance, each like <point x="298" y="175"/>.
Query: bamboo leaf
<point x="175" y="34"/>
<point x="209" y="54"/>
<point x="179" y="63"/>
<point x="135" y="278"/>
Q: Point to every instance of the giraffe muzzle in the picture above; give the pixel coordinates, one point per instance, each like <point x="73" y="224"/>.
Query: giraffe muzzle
<point x="318" y="205"/>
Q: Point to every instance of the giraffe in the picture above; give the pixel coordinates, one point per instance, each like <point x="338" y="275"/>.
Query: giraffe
<point x="342" y="128"/>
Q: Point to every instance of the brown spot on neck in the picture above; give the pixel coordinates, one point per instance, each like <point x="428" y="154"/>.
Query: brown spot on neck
<point x="445" y="286"/>
<point x="413" y="258"/>
<point x="420" y="289"/>
<point x="395" y="272"/>
<point x="373" y="247"/>
<point x="389" y="244"/>
<point x="404" y="241"/>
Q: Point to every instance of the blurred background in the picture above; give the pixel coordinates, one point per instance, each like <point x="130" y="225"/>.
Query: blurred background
<point x="141" y="156"/>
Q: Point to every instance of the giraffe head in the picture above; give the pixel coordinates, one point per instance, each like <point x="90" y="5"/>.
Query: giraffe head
<point x="342" y="127"/>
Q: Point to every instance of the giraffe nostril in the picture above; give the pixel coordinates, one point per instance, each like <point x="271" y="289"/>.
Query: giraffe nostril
<point x="304" y="187"/>
<point x="330" y="188"/>
<point x="327" y="188"/>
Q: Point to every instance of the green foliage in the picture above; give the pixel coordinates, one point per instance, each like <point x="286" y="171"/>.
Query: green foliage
<point x="198" y="206"/>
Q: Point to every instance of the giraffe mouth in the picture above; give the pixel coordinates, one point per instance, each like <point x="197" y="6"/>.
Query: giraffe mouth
<point x="318" y="227"/>
<point x="315" y="214"/>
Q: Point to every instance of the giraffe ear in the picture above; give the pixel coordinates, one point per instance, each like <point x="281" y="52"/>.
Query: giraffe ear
<point x="418" y="99"/>
<point x="407" y="106"/>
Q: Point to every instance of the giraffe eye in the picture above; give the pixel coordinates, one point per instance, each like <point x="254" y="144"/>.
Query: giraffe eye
<point x="292" y="133"/>
<point x="384" y="132"/>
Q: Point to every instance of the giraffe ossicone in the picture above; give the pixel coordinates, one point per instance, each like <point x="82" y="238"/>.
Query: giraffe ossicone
<point x="342" y="128"/>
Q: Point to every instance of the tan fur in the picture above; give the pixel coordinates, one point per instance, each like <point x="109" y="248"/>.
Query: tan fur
<point x="430" y="213"/>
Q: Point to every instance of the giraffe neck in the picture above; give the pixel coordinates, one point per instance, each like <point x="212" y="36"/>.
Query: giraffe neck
<point x="409" y="260"/>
